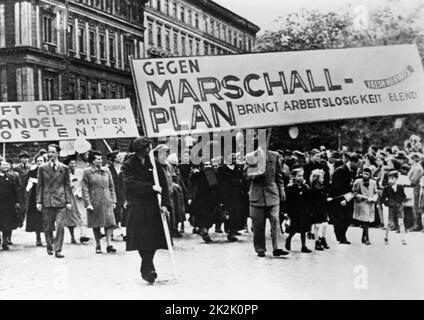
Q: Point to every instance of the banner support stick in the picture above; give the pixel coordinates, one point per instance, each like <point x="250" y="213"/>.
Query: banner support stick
<point x="4" y="150"/>
<point x="163" y="215"/>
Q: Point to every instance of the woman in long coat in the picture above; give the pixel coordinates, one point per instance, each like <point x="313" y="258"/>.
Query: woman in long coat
<point x="231" y="195"/>
<point x="99" y="196"/>
<point x="145" y="231"/>
<point x="10" y="202"/>
<point x="34" y="218"/>
<point x="366" y="195"/>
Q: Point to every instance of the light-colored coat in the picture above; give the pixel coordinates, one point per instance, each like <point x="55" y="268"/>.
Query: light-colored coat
<point x="267" y="190"/>
<point x="98" y="190"/>
<point x="364" y="210"/>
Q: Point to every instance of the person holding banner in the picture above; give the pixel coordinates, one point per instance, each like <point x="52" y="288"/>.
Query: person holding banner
<point x="54" y="198"/>
<point x="145" y="232"/>
<point x="340" y="190"/>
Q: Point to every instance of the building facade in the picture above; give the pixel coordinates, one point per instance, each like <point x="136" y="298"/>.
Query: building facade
<point x="195" y="27"/>
<point x="80" y="49"/>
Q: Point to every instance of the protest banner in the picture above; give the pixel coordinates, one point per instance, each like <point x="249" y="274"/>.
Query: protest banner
<point x="66" y="120"/>
<point x="192" y="95"/>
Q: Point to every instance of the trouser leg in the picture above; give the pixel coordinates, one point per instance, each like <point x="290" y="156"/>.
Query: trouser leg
<point x="258" y="222"/>
<point x="60" y="229"/>
<point x="274" y="218"/>
<point x="147" y="260"/>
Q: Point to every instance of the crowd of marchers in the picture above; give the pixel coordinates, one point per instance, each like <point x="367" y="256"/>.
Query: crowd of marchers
<point x="299" y="192"/>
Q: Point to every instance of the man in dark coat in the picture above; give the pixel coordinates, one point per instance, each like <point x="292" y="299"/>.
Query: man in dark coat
<point x="341" y="207"/>
<point x="145" y="231"/>
<point x="9" y="202"/>
<point x="231" y="195"/>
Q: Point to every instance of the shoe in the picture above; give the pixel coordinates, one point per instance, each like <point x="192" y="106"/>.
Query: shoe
<point x="279" y="252"/>
<point x="102" y="235"/>
<point x="49" y="251"/>
<point x="345" y="242"/>
<point x="363" y="240"/>
<point x="386" y="241"/>
<point x="57" y="254"/>
<point x="73" y="241"/>
<point x="305" y="250"/>
<point x="196" y="230"/>
<point x="150" y="277"/>
<point x="83" y="239"/>
<point x="5" y="247"/>
<point x="38" y="243"/>
<point x="9" y="243"/>
<point x="110" y="249"/>
<point x="124" y="238"/>
<point x="237" y="233"/>
<point x="99" y="250"/>
<point x="176" y="234"/>
<point x="397" y="231"/>
<point x="367" y="242"/>
<point x="219" y="231"/>
<point x="288" y="245"/>
<point x="261" y="254"/>
<point x="324" y="244"/>
<point x="232" y="238"/>
<point x="404" y="242"/>
<point x="415" y="229"/>
<point x="206" y="238"/>
<point x="318" y="246"/>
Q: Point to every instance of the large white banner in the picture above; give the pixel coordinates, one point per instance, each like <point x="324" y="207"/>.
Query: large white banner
<point x="66" y="120"/>
<point x="203" y="94"/>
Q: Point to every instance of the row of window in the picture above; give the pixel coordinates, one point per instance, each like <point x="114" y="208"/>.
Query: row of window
<point x="180" y="44"/>
<point x="102" y="47"/>
<point x="210" y="25"/>
<point x="129" y="10"/>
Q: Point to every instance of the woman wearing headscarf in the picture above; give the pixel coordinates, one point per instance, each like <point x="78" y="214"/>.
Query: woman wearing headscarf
<point x="99" y="196"/>
<point x="145" y="232"/>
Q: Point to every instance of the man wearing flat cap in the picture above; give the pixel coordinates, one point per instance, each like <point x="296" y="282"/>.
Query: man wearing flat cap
<point x="414" y="175"/>
<point x="145" y="231"/>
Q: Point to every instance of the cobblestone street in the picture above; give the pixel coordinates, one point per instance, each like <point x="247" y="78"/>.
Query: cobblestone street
<point x="220" y="270"/>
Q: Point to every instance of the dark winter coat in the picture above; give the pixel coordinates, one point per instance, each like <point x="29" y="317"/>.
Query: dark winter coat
<point x="34" y="218"/>
<point x="297" y="207"/>
<point x="231" y="195"/>
<point x="318" y="206"/>
<point x="144" y="224"/>
<point x="10" y="189"/>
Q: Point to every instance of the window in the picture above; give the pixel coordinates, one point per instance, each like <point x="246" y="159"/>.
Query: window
<point x="183" y="45"/>
<point x="72" y="90"/>
<point x="182" y="14"/>
<point x="224" y="33"/>
<point x="159" y="5"/>
<point x="83" y="91"/>
<point x="205" y="21"/>
<point x="212" y="32"/>
<point x="102" y="93"/>
<point x="197" y="48"/>
<point x="189" y="21"/>
<point x="166" y="6"/>
<point x="230" y="36"/>
<point x="81" y="39"/>
<point x="129" y="51"/>
<point x="249" y="44"/>
<point x="93" y="92"/>
<point x="98" y="4"/>
<point x="206" y="48"/>
<point x="49" y="93"/>
<point x="167" y="39"/>
<point x="175" y="42"/>
<point x="150" y="33"/>
<point x="240" y="42"/>
<point x="174" y="9"/>
<point x="111" y="49"/>
<point x="235" y="39"/>
<point x="92" y="43"/>
<point x="159" y="36"/>
<point x="218" y="30"/>
<point x="190" y="47"/>
<point x="196" y="21"/>
<point x="108" y="5"/>
<point x="47" y="29"/>
<point x="102" y="46"/>
<point x="71" y="37"/>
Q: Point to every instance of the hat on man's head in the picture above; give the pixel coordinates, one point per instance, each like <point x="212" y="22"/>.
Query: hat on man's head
<point x="401" y="156"/>
<point x="70" y="158"/>
<point x="140" y="143"/>
<point x="393" y="173"/>
<point x="23" y="154"/>
<point x="366" y="169"/>
<point x="112" y="154"/>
